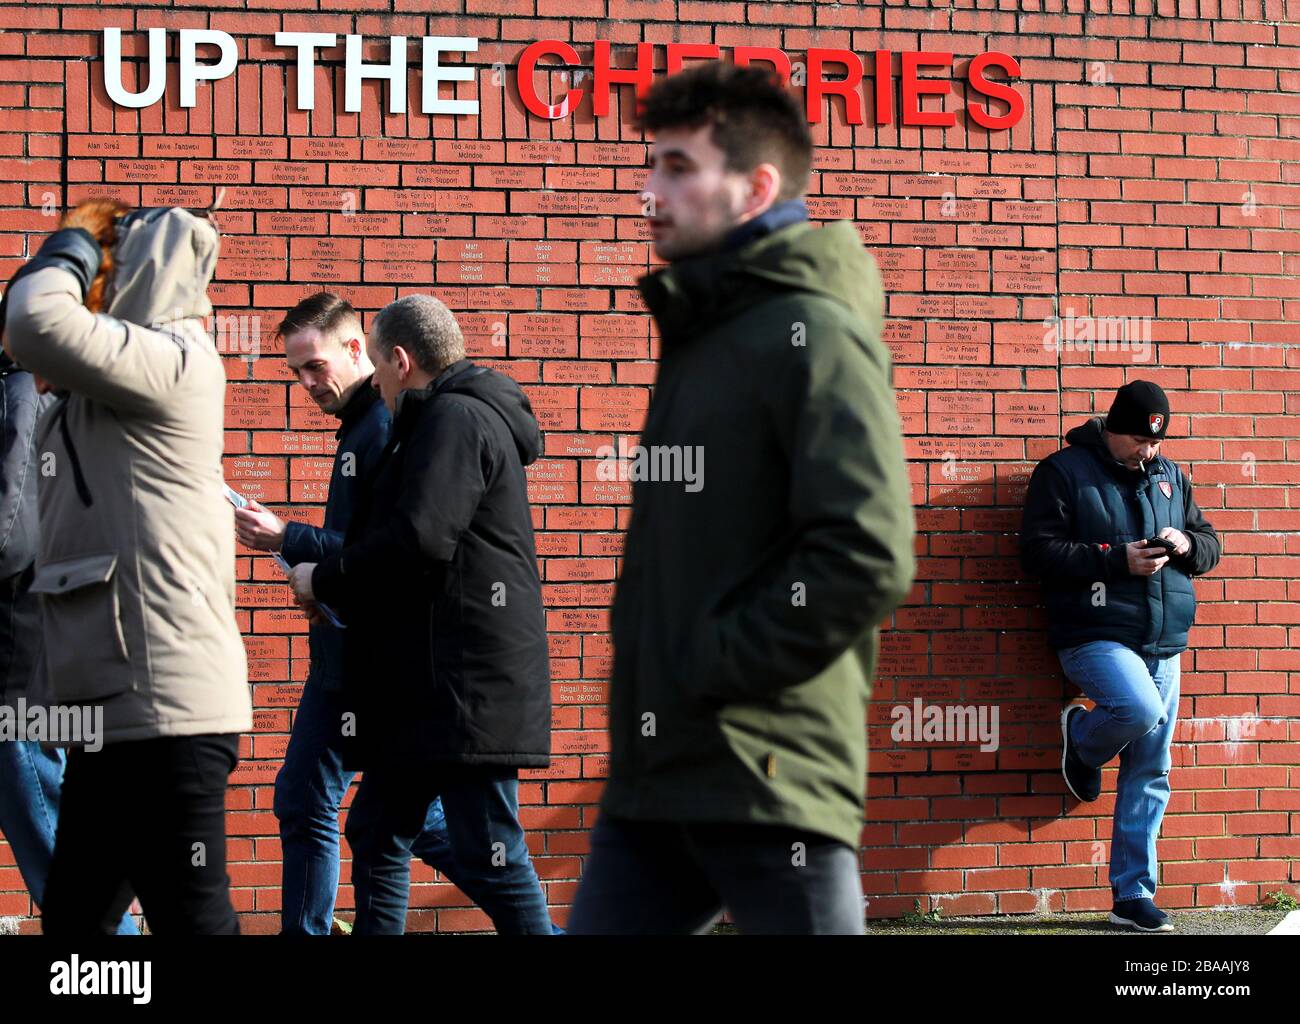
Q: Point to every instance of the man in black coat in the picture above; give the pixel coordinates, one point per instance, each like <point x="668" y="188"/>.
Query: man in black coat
<point x="1112" y="528"/>
<point x="324" y="347"/>
<point x="446" y="678"/>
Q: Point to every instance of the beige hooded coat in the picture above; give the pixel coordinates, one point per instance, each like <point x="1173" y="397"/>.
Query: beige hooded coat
<point x="136" y="562"/>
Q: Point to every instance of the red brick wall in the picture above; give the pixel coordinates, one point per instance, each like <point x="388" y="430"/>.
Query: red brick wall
<point x="1154" y="175"/>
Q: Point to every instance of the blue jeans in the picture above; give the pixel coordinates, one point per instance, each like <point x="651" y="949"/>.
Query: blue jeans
<point x="31" y="779"/>
<point x="309" y="790"/>
<point x="1137" y="705"/>
<point x="492" y="866"/>
<point x="671" y="878"/>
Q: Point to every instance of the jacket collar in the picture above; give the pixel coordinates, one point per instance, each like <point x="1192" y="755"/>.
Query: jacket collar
<point x="792" y="211"/>
<point x="693" y="293"/>
<point x="410" y="401"/>
<point x="357" y="406"/>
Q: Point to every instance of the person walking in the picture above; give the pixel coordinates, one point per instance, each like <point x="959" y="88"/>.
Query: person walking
<point x="753" y="581"/>
<point x="135" y="568"/>
<point x="324" y="346"/>
<point x="446" y="673"/>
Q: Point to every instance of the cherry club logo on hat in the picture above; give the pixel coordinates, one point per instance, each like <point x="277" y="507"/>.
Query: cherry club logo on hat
<point x="1141" y="408"/>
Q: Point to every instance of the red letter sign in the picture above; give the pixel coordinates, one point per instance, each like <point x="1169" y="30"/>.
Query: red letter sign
<point x="995" y="90"/>
<point x="527" y="89"/>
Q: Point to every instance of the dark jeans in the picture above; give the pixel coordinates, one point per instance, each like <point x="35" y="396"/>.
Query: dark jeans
<point x="654" y="878"/>
<point x="144" y="817"/>
<point x="492" y="866"/>
<point x="309" y="790"/>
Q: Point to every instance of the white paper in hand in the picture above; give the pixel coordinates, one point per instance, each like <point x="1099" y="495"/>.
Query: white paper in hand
<point x="234" y="497"/>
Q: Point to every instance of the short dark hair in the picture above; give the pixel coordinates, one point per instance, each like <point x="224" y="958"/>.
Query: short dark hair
<point x="324" y="311"/>
<point x="425" y="327"/>
<point x="755" y="118"/>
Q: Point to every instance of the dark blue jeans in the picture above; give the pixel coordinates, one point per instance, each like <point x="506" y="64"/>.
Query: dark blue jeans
<point x="30" y="782"/>
<point x="670" y="878"/>
<point x="492" y="866"/>
<point x="309" y="790"/>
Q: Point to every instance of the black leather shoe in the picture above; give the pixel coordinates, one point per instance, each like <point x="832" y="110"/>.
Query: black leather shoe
<point x="1082" y="781"/>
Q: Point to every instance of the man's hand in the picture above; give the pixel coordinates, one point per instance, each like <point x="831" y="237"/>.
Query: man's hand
<point x="258" y="528"/>
<point x="1145" y="561"/>
<point x="1179" y="539"/>
<point x="300" y="581"/>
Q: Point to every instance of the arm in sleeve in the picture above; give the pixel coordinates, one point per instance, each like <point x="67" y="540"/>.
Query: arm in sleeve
<point x="443" y="481"/>
<point x="1206" y="549"/>
<point x="849" y="560"/>
<point x="303" y="543"/>
<point x="125" y="366"/>
<point x="18" y="415"/>
<point x="1047" y="547"/>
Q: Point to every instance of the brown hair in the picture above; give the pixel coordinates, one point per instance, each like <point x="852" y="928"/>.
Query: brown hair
<point x="754" y="118"/>
<point x="99" y="217"/>
<point x="324" y="311"/>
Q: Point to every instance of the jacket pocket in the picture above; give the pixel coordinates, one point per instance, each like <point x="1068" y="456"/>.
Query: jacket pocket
<point x="85" y="649"/>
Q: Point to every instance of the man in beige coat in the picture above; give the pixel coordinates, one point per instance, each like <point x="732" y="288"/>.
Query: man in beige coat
<point x="136" y="564"/>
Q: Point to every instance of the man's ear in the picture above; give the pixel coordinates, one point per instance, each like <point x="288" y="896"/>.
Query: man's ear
<point x="764" y="187"/>
<point x="355" y="348"/>
<point x="404" y="362"/>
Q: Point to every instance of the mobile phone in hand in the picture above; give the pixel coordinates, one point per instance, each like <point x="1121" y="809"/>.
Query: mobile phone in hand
<point x="1162" y="542"/>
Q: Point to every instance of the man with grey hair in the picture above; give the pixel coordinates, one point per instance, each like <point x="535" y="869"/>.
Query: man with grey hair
<point x="446" y="679"/>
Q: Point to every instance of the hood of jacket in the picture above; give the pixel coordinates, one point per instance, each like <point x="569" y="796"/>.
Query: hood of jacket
<point x="1088" y="435"/>
<point x="162" y="264"/>
<point x="494" y="389"/>
<point x="828" y="261"/>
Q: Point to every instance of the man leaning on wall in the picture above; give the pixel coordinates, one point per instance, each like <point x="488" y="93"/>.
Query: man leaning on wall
<point x="1112" y="528"/>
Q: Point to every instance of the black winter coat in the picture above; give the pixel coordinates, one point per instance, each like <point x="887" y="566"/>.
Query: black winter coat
<point x="1082" y="507"/>
<point x="362" y="437"/>
<point x="445" y="654"/>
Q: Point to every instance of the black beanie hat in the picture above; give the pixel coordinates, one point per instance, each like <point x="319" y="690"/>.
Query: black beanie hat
<point x="1140" y="407"/>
